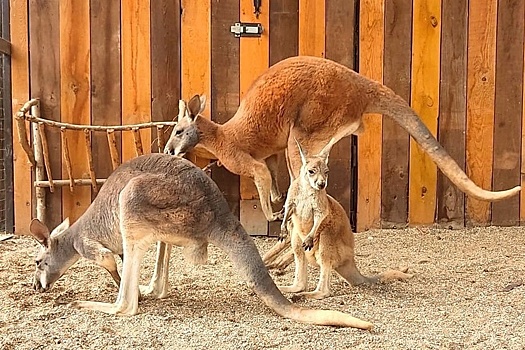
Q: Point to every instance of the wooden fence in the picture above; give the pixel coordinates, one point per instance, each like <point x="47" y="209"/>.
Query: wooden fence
<point x="458" y="62"/>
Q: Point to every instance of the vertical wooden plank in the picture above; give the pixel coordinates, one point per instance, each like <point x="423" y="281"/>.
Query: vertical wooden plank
<point x="452" y="107"/>
<point x="254" y="60"/>
<point x="284" y="42"/>
<point x="425" y="101"/>
<point x="165" y="62"/>
<point x="508" y="108"/>
<point x="480" y="103"/>
<point x="45" y="84"/>
<point x="312" y="28"/>
<point x="396" y="141"/>
<point x="196" y="53"/>
<point x="225" y="72"/>
<point x="371" y="41"/>
<point x="340" y="47"/>
<point x="106" y="103"/>
<point x="20" y="94"/>
<point x="522" y="193"/>
<point x="74" y="98"/>
<point x="136" y="72"/>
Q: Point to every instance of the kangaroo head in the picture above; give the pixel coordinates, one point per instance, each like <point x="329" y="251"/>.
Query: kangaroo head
<point x="52" y="259"/>
<point x="314" y="169"/>
<point x="185" y="134"/>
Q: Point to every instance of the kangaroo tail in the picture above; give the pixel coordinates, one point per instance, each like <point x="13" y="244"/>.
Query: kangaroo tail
<point x="248" y="263"/>
<point x="388" y="103"/>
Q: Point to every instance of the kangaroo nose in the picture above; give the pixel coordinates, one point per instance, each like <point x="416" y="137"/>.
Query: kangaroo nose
<point x="321" y="185"/>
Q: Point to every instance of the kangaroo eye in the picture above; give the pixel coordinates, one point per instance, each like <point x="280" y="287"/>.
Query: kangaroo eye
<point x="311" y="171"/>
<point x="38" y="262"/>
<point x="178" y="132"/>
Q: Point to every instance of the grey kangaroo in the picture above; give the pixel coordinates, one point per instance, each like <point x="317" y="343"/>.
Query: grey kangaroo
<point x="158" y="197"/>
<point x="320" y="231"/>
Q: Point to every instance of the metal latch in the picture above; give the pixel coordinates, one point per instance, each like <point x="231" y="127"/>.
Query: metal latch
<point x="241" y="29"/>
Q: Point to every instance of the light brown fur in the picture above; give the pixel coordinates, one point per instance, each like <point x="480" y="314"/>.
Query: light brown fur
<point x="320" y="231"/>
<point x="160" y="198"/>
<point x="313" y="100"/>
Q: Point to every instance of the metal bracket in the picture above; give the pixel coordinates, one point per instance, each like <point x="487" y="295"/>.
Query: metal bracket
<point x="241" y="29"/>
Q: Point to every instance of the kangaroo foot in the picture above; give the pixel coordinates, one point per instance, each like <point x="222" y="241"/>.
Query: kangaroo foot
<point x="108" y="308"/>
<point x="294" y="288"/>
<point x="316" y="294"/>
<point x="153" y="291"/>
<point x="395" y="275"/>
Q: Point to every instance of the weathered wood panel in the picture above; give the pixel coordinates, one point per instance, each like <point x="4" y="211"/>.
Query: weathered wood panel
<point x="396" y="141"/>
<point x="481" y="68"/>
<point x="425" y="101"/>
<point x="45" y="84"/>
<point x="74" y="97"/>
<point x="20" y="94"/>
<point x="452" y="107"/>
<point x="225" y="78"/>
<point x="165" y="63"/>
<point x="284" y="42"/>
<point x="136" y="73"/>
<point x="508" y="109"/>
<point x="371" y="41"/>
<point x="106" y="102"/>
<point x="340" y="46"/>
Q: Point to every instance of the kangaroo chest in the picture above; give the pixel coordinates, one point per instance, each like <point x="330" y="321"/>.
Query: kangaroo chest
<point x="308" y="206"/>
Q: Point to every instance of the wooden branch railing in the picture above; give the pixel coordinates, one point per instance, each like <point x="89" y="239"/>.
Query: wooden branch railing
<point x="38" y="151"/>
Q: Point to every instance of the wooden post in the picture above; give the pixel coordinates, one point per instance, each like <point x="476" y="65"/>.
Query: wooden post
<point x="40" y="193"/>
<point x="138" y="142"/>
<point x="67" y="159"/>
<point x="87" y="135"/>
<point x="113" y="150"/>
<point x="45" y="151"/>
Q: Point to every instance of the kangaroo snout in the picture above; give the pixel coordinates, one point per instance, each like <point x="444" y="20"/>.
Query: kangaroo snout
<point x="38" y="286"/>
<point x="321" y="185"/>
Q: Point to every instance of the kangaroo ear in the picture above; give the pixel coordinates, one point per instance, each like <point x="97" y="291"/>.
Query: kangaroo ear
<point x="61" y="228"/>
<point x="40" y="232"/>
<point x="326" y="149"/>
<point x="301" y="152"/>
<point x="196" y="105"/>
<point x="182" y="110"/>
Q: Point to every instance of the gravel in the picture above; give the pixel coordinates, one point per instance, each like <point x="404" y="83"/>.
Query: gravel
<point x="467" y="293"/>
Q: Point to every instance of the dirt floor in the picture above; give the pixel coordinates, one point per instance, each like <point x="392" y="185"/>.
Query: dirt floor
<point x="466" y="294"/>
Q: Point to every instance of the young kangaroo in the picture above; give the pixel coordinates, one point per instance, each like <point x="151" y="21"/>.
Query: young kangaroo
<point x="320" y="230"/>
<point x="157" y="197"/>
<point x="313" y="100"/>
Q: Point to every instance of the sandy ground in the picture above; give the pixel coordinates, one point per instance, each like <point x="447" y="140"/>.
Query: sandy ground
<point x="466" y="294"/>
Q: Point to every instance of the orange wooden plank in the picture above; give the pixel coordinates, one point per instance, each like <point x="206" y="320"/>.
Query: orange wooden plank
<point x="74" y="97"/>
<point x="20" y="94"/>
<point x="522" y="193"/>
<point x="196" y="53"/>
<point x="426" y="37"/>
<point x="371" y="42"/>
<point x="254" y="60"/>
<point x="481" y="76"/>
<point x="136" y="72"/>
<point x="312" y="28"/>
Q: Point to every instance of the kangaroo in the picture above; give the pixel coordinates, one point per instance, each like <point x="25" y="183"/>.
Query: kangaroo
<point x="312" y="100"/>
<point x="320" y="231"/>
<point x="161" y="198"/>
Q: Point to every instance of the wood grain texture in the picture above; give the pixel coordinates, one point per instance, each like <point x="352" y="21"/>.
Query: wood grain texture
<point x="452" y="107"/>
<point x="426" y="32"/>
<point x="284" y="42"/>
<point x="136" y="72"/>
<point x="508" y="109"/>
<point x="225" y="73"/>
<point x="254" y="60"/>
<point x="396" y="141"/>
<point x="340" y="47"/>
<point x="371" y="41"/>
<point x="74" y="97"/>
<point x="20" y="94"/>
<point x="165" y="63"/>
<point x="481" y="74"/>
<point x="106" y="103"/>
<point x="196" y="54"/>
<point x="45" y="84"/>
<point x="312" y="28"/>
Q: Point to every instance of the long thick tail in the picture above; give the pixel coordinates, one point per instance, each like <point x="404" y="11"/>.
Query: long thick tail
<point x="248" y="263"/>
<point x="392" y="105"/>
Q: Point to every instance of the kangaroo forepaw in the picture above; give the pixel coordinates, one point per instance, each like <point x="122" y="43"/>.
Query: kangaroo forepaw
<point x="277" y="198"/>
<point x="308" y="244"/>
<point x="283" y="235"/>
